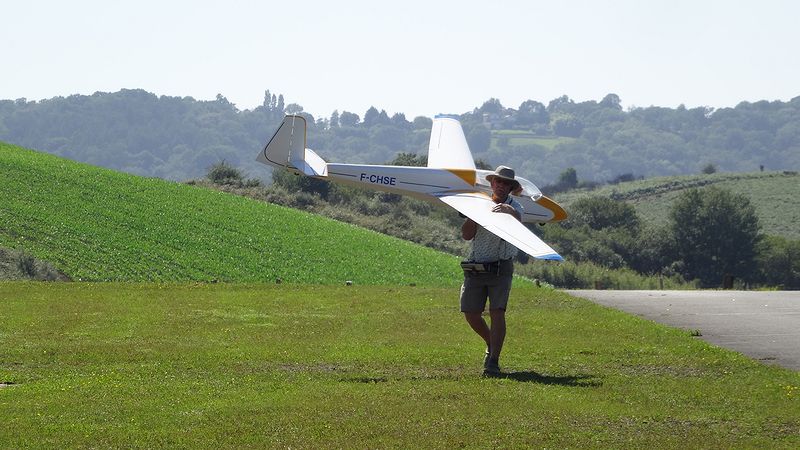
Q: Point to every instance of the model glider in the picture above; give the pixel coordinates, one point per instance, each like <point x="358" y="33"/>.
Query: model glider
<point x="450" y="178"/>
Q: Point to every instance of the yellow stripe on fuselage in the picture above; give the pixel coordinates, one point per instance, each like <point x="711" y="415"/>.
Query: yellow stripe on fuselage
<point x="468" y="175"/>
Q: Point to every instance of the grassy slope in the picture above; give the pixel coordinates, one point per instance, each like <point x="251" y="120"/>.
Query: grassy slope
<point x="774" y="195"/>
<point x="97" y="224"/>
<point x="232" y="366"/>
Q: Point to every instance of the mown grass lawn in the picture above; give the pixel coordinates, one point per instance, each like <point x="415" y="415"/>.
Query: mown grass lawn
<point x="231" y="365"/>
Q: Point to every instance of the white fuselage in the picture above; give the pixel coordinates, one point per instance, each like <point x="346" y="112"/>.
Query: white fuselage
<point x="428" y="183"/>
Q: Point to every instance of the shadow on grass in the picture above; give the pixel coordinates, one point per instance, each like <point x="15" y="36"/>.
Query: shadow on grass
<point x="533" y="377"/>
<point x="524" y="377"/>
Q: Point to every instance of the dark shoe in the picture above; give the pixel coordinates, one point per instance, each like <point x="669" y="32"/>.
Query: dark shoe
<point x="492" y="368"/>
<point x="486" y="359"/>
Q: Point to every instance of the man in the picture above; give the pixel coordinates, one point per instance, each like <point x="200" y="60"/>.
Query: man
<point x="494" y="281"/>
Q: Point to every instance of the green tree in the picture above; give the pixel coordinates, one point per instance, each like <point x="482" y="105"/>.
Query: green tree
<point x="371" y="117"/>
<point x="566" y="125"/>
<point x="409" y="159"/>
<point x="348" y="119"/>
<point x="568" y="178"/>
<point x="293" y="108"/>
<point x="279" y="107"/>
<point x="491" y="106"/>
<point x="602" y="212"/>
<point x="399" y="120"/>
<point x="422" y="123"/>
<point x="715" y="232"/>
<point x="611" y="101"/>
<point x="531" y="112"/>
<point x="479" y="139"/>
<point x="560" y="104"/>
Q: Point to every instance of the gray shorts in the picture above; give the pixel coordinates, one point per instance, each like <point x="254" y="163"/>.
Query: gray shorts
<point x="477" y="288"/>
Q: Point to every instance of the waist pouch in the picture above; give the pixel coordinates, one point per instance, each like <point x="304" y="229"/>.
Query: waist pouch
<point x="502" y="267"/>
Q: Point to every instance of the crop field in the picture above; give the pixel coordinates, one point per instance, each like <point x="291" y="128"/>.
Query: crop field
<point x="86" y="365"/>
<point x="773" y="194"/>
<point x="97" y="224"/>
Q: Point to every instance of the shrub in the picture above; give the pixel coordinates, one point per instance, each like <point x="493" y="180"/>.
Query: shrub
<point x="588" y="275"/>
<point x="18" y="264"/>
<point x="709" y="168"/>
<point x="779" y="262"/>
<point x="224" y="173"/>
<point x="26" y="264"/>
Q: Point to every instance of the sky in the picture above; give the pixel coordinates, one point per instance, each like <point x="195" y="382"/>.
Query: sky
<point x="415" y="57"/>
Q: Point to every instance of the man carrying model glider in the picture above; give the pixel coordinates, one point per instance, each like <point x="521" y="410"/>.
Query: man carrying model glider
<point x="489" y="271"/>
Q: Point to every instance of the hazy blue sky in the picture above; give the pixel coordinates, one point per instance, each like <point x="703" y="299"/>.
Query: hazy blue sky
<point x="416" y="57"/>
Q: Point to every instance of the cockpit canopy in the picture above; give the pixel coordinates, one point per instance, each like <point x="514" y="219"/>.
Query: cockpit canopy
<point x="528" y="189"/>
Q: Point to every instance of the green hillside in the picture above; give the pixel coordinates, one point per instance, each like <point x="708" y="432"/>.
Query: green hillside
<point x="517" y="138"/>
<point x="97" y="224"/>
<point x="774" y="195"/>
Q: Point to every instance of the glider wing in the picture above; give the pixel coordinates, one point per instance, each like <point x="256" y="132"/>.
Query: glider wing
<point x="478" y="207"/>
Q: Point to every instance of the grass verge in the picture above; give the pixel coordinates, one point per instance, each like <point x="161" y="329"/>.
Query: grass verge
<point x="229" y="365"/>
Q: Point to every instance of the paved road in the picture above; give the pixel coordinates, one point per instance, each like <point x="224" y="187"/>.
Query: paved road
<point x="762" y="325"/>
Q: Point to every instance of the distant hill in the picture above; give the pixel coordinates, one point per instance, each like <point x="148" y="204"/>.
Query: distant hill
<point x="178" y="138"/>
<point x="774" y="194"/>
<point x="98" y="224"/>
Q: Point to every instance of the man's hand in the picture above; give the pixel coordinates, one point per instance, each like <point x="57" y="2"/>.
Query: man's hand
<point x="506" y="208"/>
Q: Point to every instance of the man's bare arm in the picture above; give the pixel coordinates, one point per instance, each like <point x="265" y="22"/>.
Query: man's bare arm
<point x="468" y="229"/>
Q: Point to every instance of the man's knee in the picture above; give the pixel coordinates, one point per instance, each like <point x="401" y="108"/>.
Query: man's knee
<point x="497" y="314"/>
<point x="472" y="316"/>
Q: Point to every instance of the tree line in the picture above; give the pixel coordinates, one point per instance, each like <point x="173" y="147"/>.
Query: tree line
<point x="180" y="138"/>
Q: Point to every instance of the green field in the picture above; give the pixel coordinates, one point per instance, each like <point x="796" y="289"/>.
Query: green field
<point x="230" y="366"/>
<point x="518" y="138"/>
<point x="311" y="363"/>
<point x="773" y="194"/>
<point x="97" y="224"/>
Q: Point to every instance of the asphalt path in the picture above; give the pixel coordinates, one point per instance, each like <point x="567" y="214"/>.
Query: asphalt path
<point x="762" y="325"/>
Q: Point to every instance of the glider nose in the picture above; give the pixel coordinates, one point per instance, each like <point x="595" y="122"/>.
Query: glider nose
<point x="558" y="212"/>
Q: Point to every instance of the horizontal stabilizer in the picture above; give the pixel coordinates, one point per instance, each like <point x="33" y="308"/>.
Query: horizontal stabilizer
<point x="312" y="165"/>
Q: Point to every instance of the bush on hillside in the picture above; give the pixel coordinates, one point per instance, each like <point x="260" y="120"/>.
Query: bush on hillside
<point x="226" y="174"/>
<point x="21" y="265"/>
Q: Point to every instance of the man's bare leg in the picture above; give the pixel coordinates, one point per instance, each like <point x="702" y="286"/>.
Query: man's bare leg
<point x="475" y="320"/>
<point x="497" y="333"/>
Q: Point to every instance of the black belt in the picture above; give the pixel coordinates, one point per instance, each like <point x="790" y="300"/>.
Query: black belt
<point x="478" y="268"/>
